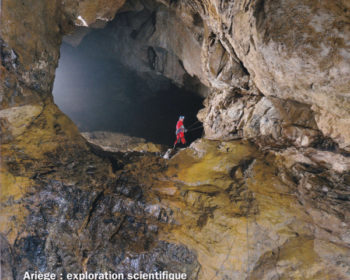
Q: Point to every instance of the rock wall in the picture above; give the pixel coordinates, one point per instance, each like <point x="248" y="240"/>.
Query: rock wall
<point x="292" y="50"/>
<point x="149" y="38"/>
<point x="287" y="50"/>
<point x="278" y="71"/>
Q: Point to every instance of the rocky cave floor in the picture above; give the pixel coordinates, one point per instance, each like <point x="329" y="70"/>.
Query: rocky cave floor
<point x="216" y="210"/>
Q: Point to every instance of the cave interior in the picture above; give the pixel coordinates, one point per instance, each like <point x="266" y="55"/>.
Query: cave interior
<point x="99" y="92"/>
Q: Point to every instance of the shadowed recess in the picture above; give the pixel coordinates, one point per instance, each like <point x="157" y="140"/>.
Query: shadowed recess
<point x="100" y="94"/>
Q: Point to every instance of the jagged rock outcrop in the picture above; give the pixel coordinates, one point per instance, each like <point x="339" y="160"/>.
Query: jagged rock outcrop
<point x="278" y="71"/>
<point x="268" y="121"/>
<point x="68" y="212"/>
<point x="276" y="43"/>
<point x="301" y="56"/>
<point x="292" y="50"/>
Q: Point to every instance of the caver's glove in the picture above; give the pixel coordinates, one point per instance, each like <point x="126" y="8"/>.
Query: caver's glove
<point x="186" y="130"/>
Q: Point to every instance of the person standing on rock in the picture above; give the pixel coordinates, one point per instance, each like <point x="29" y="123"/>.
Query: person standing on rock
<point x="180" y="131"/>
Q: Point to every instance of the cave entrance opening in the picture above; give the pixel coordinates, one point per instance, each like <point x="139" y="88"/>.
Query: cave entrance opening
<point x="95" y="88"/>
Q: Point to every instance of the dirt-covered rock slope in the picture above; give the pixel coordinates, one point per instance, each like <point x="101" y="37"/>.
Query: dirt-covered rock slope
<point x="264" y="195"/>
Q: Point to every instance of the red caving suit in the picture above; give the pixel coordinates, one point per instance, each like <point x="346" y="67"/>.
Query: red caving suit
<point x="180" y="132"/>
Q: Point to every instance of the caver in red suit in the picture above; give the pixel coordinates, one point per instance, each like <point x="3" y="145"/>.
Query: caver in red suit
<point x="180" y="131"/>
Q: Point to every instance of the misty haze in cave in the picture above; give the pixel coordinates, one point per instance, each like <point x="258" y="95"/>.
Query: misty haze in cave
<point x="100" y="94"/>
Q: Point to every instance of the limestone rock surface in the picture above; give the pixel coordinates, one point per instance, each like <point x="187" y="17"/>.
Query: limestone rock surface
<point x="295" y="50"/>
<point x="215" y="210"/>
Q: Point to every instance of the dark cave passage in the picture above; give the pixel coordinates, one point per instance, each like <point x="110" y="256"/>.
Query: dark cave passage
<point x="100" y="94"/>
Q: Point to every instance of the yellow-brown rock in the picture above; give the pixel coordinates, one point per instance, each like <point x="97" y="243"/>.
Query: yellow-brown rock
<point x="243" y="218"/>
